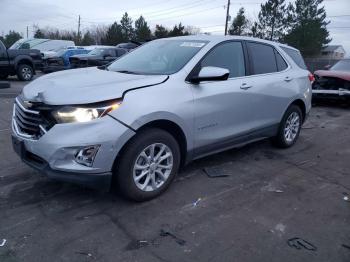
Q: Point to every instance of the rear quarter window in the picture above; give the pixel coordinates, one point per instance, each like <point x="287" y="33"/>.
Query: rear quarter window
<point x="296" y="56"/>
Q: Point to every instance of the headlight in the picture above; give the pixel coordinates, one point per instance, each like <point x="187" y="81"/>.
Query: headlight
<point x="71" y="114"/>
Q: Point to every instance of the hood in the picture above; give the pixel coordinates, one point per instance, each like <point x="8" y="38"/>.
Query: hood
<point x="83" y="86"/>
<point x="49" y="54"/>
<point x="330" y="73"/>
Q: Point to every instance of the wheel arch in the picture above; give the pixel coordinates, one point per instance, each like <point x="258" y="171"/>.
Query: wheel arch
<point x="172" y="128"/>
<point x="301" y="104"/>
<point x="24" y="61"/>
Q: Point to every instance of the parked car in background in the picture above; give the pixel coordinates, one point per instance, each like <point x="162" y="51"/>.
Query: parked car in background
<point x="47" y="47"/>
<point x="135" y="121"/>
<point x="22" y="63"/>
<point x="61" y="60"/>
<point x="97" y="57"/>
<point x="333" y="83"/>
<point x="129" y="46"/>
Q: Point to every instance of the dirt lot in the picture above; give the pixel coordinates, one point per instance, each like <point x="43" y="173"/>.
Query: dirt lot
<point x="268" y="198"/>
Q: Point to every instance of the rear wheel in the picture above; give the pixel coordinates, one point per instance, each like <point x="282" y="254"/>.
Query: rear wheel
<point x="25" y="72"/>
<point x="289" y="128"/>
<point x="148" y="165"/>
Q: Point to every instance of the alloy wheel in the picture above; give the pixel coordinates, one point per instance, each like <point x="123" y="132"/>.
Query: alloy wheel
<point x="292" y="127"/>
<point x="153" y="167"/>
<point x="26" y="73"/>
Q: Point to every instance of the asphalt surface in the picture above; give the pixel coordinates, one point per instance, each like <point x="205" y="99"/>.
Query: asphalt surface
<point x="272" y="205"/>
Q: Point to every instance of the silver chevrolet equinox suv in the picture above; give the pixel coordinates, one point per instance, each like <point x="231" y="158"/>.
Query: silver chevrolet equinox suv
<point x="134" y="122"/>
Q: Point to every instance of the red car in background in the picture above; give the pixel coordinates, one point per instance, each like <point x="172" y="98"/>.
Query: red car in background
<point x="333" y="83"/>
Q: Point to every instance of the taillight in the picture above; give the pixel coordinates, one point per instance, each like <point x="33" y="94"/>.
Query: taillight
<point x="311" y="77"/>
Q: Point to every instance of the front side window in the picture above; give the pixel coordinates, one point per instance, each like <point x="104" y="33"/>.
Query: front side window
<point x="228" y="55"/>
<point x="262" y="58"/>
<point x="159" y="57"/>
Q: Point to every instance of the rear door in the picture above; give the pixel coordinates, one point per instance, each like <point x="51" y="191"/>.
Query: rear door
<point x="272" y="85"/>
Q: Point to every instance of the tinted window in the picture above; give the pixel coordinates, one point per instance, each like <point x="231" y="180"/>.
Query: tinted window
<point x="296" y="56"/>
<point x="262" y="58"/>
<point x="281" y="64"/>
<point x="228" y="55"/>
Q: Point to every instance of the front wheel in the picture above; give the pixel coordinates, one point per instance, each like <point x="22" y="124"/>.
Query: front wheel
<point x="148" y="165"/>
<point x="289" y="128"/>
<point x="25" y="72"/>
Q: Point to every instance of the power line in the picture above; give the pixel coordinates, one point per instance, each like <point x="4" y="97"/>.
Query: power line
<point x="187" y="14"/>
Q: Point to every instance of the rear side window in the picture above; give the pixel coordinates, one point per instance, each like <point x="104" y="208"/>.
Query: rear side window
<point x="228" y="55"/>
<point x="262" y="58"/>
<point x="296" y="56"/>
<point x="281" y="64"/>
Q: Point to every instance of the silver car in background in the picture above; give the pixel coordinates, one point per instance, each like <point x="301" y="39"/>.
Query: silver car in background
<point x="134" y="122"/>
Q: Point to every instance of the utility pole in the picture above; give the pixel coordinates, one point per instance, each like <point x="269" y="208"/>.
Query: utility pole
<point x="227" y="15"/>
<point x="27" y="32"/>
<point x="78" y="30"/>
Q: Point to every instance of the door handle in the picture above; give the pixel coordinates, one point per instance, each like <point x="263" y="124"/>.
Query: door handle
<point x="245" y="86"/>
<point x="288" y="78"/>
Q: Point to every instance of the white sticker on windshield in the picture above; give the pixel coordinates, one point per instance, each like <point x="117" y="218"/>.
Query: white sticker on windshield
<point x="192" y="44"/>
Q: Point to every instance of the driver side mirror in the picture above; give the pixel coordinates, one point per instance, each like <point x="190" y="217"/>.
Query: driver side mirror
<point x="327" y="67"/>
<point x="211" y="73"/>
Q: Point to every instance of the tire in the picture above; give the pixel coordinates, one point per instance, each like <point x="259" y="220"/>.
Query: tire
<point x="3" y="76"/>
<point x="25" y="72"/>
<point x="132" y="165"/>
<point x="292" y="120"/>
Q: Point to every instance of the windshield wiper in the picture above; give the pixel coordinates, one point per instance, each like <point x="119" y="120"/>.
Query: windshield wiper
<point x="128" y="72"/>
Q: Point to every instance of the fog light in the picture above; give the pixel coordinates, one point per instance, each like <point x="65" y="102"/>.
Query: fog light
<point x="86" y="156"/>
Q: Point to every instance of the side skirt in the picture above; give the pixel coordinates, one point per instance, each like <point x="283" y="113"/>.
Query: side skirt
<point x="235" y="141"/>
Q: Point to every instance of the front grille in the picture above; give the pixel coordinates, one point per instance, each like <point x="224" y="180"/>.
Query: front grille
<point x="28" y="123"/>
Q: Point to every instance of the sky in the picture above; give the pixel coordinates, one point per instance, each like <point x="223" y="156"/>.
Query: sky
<point x="208" y="15"/>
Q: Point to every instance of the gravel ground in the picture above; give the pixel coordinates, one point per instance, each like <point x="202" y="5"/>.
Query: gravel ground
<point x="272" y="205"/>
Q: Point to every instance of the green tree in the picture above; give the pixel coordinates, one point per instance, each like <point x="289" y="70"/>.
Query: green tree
<point x="254" y="30"/>
<point x="239" y="23"/>
<point x="87" y="39"/>
<point x="161" y="32"/>
<point x="142" y="30"/>
<point x="39" y="34"/>
<point x="126" y="27"/>
<point x="11" y="38"/>
<point x="114" y="35"/>
<point x="309" y="33"/>
<point x="178" y="30"/>
<point x="274" y="19"/>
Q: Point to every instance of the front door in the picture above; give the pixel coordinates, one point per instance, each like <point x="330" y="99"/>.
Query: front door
<point x="223" y="109"/>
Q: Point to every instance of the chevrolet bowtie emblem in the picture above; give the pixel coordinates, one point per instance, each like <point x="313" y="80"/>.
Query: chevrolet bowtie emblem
<point x="27" y="104"/>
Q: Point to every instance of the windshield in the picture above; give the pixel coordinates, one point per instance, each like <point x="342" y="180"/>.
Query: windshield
<point x="160" y="57"/>
<point x="27" y="44"/>
<point x="96" y="51"/>
<point x="342" y="65"/>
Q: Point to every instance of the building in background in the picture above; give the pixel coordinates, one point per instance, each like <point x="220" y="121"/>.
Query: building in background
<point x="333" y="52"/>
